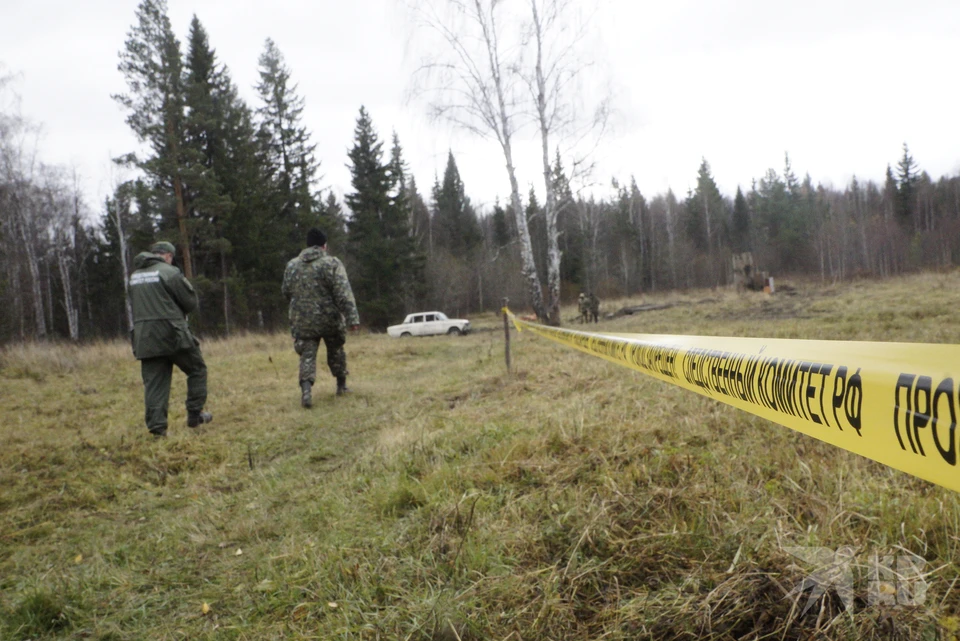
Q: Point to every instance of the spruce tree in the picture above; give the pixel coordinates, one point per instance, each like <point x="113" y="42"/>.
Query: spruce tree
<point x="208" y="94"/>
<point x="387" y="272"/>
<point x="290" y="154"/>
<point x="398" y="176"/>
<point x="419" y="217"/>
<point x="208" y="206"/>
<point x="704" y="208"/>
<point x="890" y="195"/>
<point x="740" y="224"/>
<point x="907" y="179"/>
<point x="334" y="224"/>
<point x="456" y="228"/>
<point x="501" y="230"/>
<point x="243" y="242"/>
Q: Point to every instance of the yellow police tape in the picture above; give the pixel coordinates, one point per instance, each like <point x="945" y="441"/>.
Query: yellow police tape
<point x="895" y="403"/>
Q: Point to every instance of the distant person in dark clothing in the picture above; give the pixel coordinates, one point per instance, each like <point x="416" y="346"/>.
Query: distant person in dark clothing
<point x="594" y="308"/>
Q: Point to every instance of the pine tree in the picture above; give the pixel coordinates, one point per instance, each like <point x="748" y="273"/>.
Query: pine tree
<point x="153" y="68"/>
<point x="387" y="271"/>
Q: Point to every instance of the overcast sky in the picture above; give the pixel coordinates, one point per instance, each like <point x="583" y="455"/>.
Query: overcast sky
<point x="838" y="84"/>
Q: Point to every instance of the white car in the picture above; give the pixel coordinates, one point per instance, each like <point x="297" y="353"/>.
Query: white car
<point x="428" y="323"/>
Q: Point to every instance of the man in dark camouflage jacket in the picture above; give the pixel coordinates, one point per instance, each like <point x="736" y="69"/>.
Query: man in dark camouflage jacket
<point x="161" y="298"/>
<point x="321" y="308"/>
<point x="583" y="307"/>
<point x="594" y="307"/>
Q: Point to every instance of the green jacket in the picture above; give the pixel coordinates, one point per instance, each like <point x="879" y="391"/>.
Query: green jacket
<point x="161" y="298"/>
<point x="321" y="300"/>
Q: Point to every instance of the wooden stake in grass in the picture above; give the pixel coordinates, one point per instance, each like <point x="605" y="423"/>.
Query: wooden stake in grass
<point x="506" y="333"/>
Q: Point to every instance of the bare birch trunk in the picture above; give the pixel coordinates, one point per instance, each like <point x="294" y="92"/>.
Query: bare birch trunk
<point x="73" y="320"/>
<point x="477" y="97"/>
<point x="528" y="267"/>
<point x="550" y="208"/>
<point x="594" y="252"/>
<point x="18" y="300"/>
<point x="124" y="265"/>
<point x="33" y="268"/>
<point x="504" y="133"/>
<point x="48" y="291"/>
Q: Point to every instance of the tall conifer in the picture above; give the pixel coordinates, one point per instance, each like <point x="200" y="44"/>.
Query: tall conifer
<point x="456" y="228"/>
<point x="153" y="68"/>
<point x="386" y="269"/>
<point x="290" y="153"/>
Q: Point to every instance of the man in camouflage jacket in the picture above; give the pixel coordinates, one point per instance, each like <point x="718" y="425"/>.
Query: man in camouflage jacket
<point x="583" y="307"/>
<point x="321" y="308"/>
<point x="161" y="298"/>
<point x="594" y="307"/>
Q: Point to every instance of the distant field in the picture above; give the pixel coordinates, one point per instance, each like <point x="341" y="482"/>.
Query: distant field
<point x="446" y="499"/>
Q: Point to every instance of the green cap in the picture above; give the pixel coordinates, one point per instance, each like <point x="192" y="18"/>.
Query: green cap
<point x="163" y="247"/>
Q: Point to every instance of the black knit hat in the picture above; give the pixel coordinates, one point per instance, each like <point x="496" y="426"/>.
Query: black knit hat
<point x="316" y="238"/>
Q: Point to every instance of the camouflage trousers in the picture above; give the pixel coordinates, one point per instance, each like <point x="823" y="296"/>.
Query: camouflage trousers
<point x="336" y="357"/>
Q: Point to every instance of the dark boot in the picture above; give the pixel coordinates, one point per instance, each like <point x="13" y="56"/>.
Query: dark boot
<point x="342" y="385"/>
<point x="195" y="419"/>
<point x="306" y="399"/>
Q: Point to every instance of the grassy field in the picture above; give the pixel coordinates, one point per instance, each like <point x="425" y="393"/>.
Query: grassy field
<point x="446" y="499"/>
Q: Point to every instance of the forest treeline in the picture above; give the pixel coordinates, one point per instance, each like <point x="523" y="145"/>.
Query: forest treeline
<point x="235" y="187"/>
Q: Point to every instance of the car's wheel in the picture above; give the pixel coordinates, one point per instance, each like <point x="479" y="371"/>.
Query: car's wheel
<point x="454" y="331"/>
<point x="406" y="335"/>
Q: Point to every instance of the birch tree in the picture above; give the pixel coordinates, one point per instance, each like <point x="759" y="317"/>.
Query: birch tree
<point x="63" y="208"/>
<point x="491" y="80"/>
<point x="553" y="80"/>
<point x="118" y="211"/>
<point x="471" y="82"/>
<point x="19" y="167"/>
